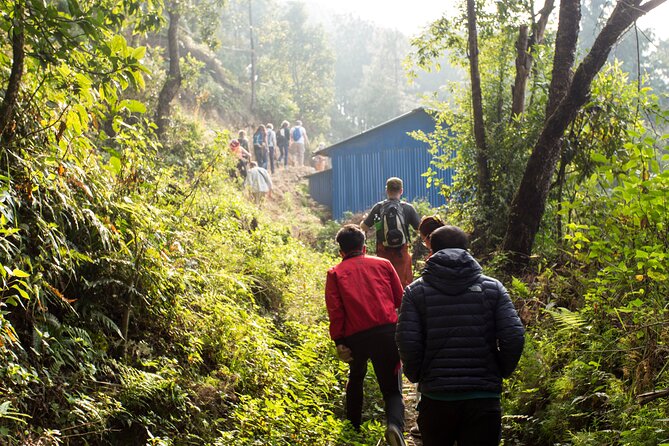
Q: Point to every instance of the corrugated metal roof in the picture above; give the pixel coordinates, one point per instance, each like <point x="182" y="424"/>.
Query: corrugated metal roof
<point x="344" y="143"/>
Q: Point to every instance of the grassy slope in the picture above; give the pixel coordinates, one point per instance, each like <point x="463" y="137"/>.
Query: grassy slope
<point x="227" y="342"/>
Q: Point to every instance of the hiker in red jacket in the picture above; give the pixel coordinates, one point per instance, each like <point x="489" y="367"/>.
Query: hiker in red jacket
<point x="362" y="294"/>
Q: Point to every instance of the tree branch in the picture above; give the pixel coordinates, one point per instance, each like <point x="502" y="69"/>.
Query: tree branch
<point x="647" y="397"/>
<point x="173" y="81"/>
<point x="529" y="203"/>
<point x="16" y="74"/>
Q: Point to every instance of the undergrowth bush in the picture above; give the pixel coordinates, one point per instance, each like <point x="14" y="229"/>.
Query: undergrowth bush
<point x="189" y="317"/>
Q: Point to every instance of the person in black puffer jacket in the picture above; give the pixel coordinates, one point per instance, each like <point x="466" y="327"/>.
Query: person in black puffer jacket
<point x="458" y="336"/>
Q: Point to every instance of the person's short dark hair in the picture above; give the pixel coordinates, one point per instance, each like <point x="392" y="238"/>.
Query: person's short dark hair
<point x="350" y="238"/>
<point x="394" y="184"/>
<point x="429" y="224"/>
<point x="449" y="237"/>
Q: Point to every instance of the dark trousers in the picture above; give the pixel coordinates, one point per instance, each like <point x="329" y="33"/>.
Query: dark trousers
<point x="242" y="166"/>
<point x="377" y="344"/>
<point x="475" y="422"/>
<point x="261" y="155"/>
<point x="271" y="158"/>
<point x="283" y="154"/>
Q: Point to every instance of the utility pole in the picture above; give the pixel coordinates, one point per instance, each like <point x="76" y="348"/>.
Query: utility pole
<point x="253" y="58"/>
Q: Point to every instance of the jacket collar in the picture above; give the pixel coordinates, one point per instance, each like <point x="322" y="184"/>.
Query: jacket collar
<point x="451" y="270"/>
<point x="350" y="255"/>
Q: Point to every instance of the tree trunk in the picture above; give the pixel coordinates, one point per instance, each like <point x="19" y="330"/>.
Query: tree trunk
<point x="523" y="66"/>
<point x="524" y="58"/>
<point x="484" y="185"/>
<point x="212" y="63"/>
<point x="529" y="203"/>
<point x="173" y="81"/>
<point x="565" y="52"/>
<point x="253" y="59"/>
<point x="15" y="76"/>
<point x="540" y="27"/>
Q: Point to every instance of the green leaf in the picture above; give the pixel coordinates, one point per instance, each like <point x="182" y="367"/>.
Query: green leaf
<point x="19" y="273"/>
<point x="133" y="106"/>
<point x="118" y="43"/>
<point x="21" y="291"/>
<point x="139" y="52"/>
<point x="599" y="158"/>
<point x="115" y="165"/>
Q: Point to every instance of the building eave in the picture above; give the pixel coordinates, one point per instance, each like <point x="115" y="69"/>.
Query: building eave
<point x="326" y="151"/>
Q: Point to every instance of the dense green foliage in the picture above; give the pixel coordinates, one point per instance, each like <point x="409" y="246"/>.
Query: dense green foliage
<point x="600" y="311"/>
<point x="510" y="138"/>
<point x="144" y="300"/>
<point x="594" y="297"/>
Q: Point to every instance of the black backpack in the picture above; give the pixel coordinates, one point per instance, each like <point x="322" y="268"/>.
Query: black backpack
<point x="392" y="224"/>
<point x="282" y="136"/>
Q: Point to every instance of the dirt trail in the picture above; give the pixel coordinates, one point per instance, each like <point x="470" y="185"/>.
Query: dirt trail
<point x="289" y="198"/>
<point x="410" y="414"/>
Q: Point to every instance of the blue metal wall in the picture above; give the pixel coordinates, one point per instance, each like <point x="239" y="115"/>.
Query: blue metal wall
<point x="320" y="187"/>
<point x="362" y="164"/>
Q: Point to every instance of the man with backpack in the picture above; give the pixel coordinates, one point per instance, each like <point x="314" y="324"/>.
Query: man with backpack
<point x="391" y="218"/>
<point x="260" y="146"/>
<point x="299" y="141"/>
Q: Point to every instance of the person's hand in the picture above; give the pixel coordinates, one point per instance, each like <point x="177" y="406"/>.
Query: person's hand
<point x="344" y="353"/>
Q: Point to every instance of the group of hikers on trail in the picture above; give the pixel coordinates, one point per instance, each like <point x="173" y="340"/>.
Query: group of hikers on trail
<point x="453" y="331"/>
<point x="270" y="150"/>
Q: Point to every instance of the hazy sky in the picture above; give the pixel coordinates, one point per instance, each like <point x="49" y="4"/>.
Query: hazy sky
<point x="410" y="16"/>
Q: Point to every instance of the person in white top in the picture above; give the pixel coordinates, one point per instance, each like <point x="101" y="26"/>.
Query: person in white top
<point x="259" y="182"/>
<point x="298" y="142"/>
<point x="271" y="144"/>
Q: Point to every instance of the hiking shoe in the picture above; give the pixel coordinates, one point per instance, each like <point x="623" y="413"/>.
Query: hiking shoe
<point x="394" y="436"/>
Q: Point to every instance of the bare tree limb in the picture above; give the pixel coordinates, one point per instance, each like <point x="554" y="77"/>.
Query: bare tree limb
<point x="565" y="52"/>
<point x="647" y="397"/>
<point x="523" y="66"/>
<point x="537" y="37"/>
<point x="213" y="64"/>
<point x="524" y="59"/>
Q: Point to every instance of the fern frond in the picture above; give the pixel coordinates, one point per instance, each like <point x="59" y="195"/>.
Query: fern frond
<point x="567" y="320"/>
<point x="106" y="323"/>
<point x="80" y="333"/>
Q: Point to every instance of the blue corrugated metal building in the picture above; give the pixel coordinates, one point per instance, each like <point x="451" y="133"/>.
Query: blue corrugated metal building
<point x="361" y="164"/>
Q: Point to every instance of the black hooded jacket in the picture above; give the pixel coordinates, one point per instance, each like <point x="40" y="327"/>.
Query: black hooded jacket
<point x="458" y="330"/>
